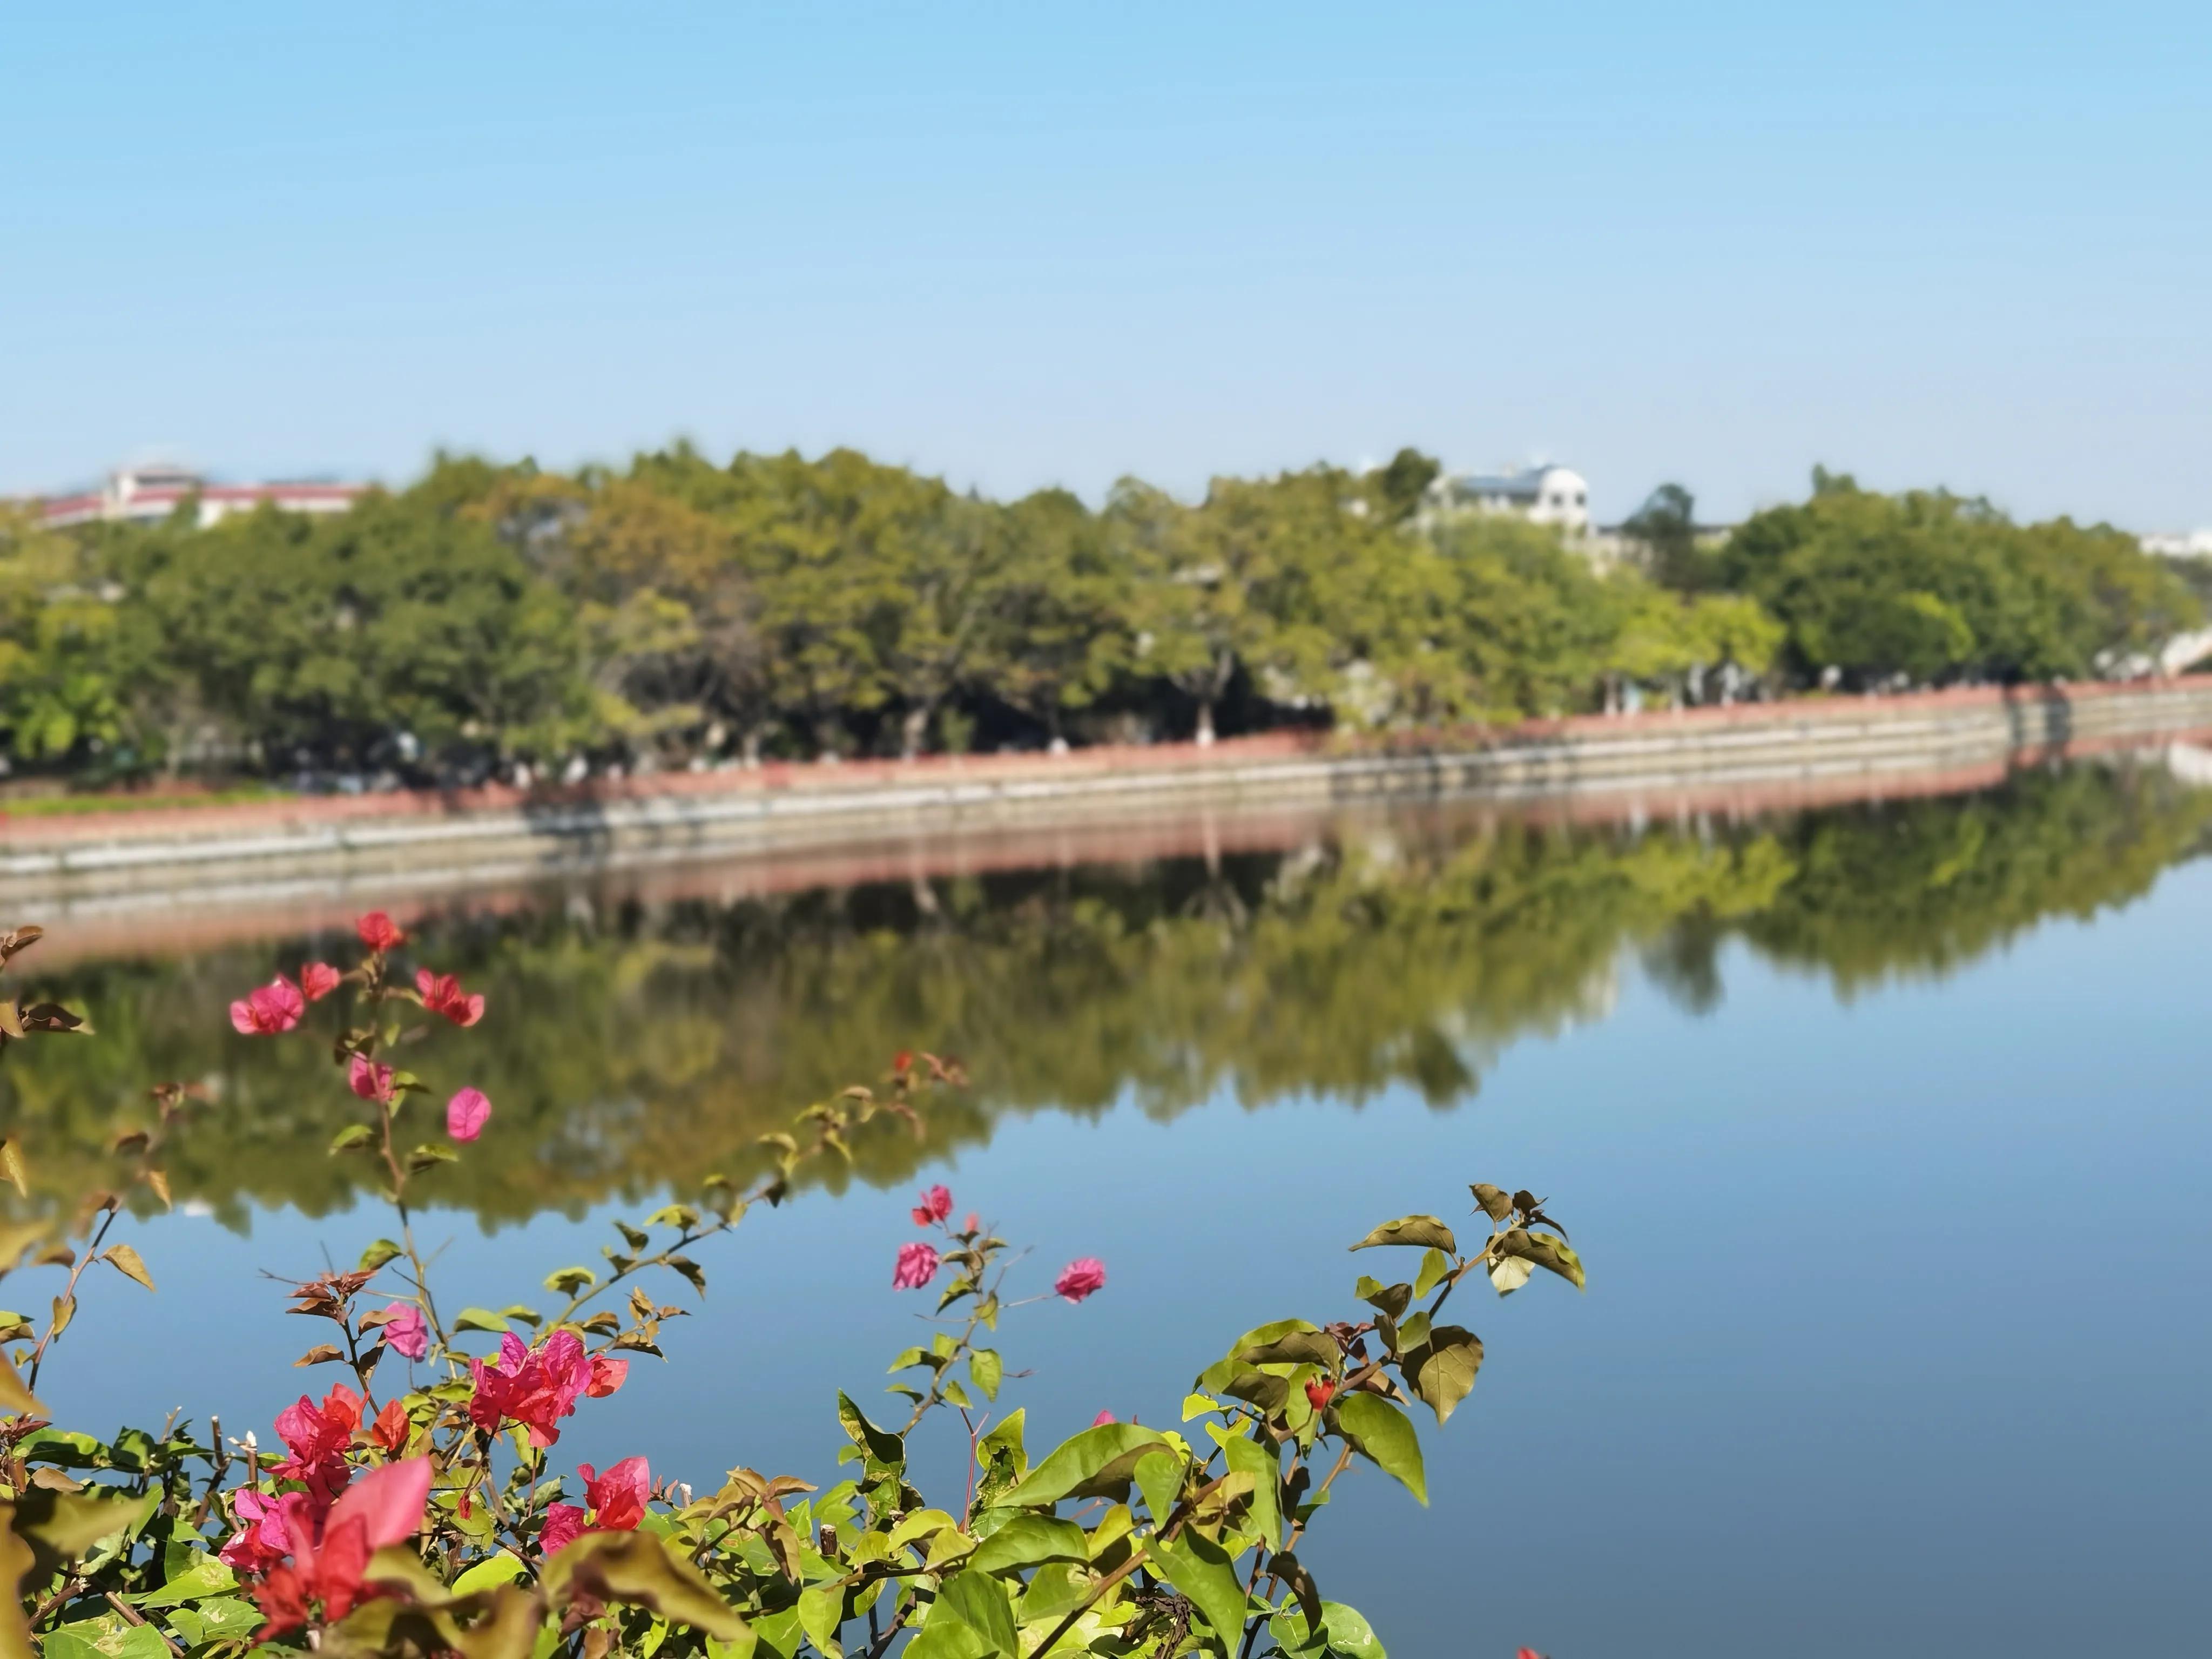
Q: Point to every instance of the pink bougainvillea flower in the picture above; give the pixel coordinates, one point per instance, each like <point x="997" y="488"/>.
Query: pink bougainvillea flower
<point x="1104" y="1418"/>
<point x="383" y="1508"/>
<point x="319" y="980"/>
<point x="262" y="1539"/>
<point x="317" y="1437"/>
<point x="406" y="1330"/>
<point x="535" y="1387"/>
<point x="936" y="1204"/>
<point x="1319" y="1392"/>
<point x="441" y="993"/>
<point x="379" y="931"/>
<point x="466" y="1114"/>
<point x="916" y="1267"/>
<point x="1085" y="1276"/>
<point x="563" y="1525"/>
<point x="370" y="1079"/>
<point x="617" y="1498"/>
<point x="973" y="1224"/>
<point x="268" y="1009"/>
<point x="607" y="1375"/>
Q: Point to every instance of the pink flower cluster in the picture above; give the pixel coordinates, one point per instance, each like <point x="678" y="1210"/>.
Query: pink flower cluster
<point x="329" y="1543"/>
<point x="538" y="1387"/>
<point x="613" y="1502"/>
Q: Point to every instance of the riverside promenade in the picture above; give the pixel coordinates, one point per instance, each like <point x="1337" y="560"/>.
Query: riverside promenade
<point x="857" y="815"/>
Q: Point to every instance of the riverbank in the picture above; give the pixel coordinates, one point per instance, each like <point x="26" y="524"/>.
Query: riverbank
<point x="1818" y="746"/>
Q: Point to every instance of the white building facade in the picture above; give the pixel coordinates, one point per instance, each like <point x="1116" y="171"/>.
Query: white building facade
<point x="148" y="495"/>
<point x="1546" y="493"/>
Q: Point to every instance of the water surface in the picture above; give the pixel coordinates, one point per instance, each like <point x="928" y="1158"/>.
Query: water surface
<point x="1881" y="1127"/>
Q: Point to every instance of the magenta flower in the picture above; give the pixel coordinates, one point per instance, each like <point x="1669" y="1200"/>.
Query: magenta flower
<point x="617" y="1498"/>
<point x="564" y="1524"/>
<point x="379" y="931"/>
<point x="406" y="1330"/>
<point x="319" y="980"/>
<point x="1103" y="1417"/>
<point x="538" y="1387"/>
<point x="268" y="1009"/>
<point x="917" y="1266"/>
<point x="466" y="1114"/>
<point x="370" y="1079"/>
<point x="441" y="993"/>
<point x="936" y="1204"/>
<point x="1085" y="1276"/>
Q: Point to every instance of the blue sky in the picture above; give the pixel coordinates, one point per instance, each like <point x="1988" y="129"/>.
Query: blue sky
<point x="1021" y="245"/>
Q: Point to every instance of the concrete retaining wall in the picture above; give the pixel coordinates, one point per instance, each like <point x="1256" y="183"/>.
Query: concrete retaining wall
<point x="505" y="833"/>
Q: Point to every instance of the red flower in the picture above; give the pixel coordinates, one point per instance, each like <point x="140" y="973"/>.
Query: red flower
<point x="563" y="1525"/>
<point x="1085" y="1276"/>
<point x="319" y="980"/>
<point x="1319" y="1392"/>
<point x="391" y="1430"/>
<point x="901" y="1060"/>
<point x="607" y="1375"/>
<point x="317" y="1437"/>
<point x="936" y="1204"/>
<point x="379" y="931"/>
<point x="268" y="1009"/>
<point x="1527" y="1653"/>
<point x="441" y="993"/>
<point x="916" y="1267"/>
<point x="368" y="1079"/>
<point x="538" y="1387"/>
<point x="466" y="1114"/>
<point x="618" y="1498"/>
<point x="383" y="1508"/>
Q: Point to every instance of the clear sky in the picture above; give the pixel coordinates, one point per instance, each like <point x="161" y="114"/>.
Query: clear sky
<point x="1037" y="243"/>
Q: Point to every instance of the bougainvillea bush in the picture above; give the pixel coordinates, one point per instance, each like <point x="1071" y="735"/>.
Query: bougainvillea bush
<point x="427" y="1508"/>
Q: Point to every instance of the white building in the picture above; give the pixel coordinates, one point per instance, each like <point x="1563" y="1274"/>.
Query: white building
<point x="1542" y="494"/>
<point x="148" y="495"/>
<point x="2193" y="545"/>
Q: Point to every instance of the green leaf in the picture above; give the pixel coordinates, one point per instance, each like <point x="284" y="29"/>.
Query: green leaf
<point x="61" y="1526"/>
<point x="227" y="1618"/>
<point x="352" y="1138"/>
<point x="1198" y="1405"/>
<point x="1158" y="1474"/>
<point x="567" y="1281"/>
<point x="479" y="1319"/>
<point x="1509" y="1273"/>
<point x="1492" y="1200"/>
<point x="428" y="1153"/>
<point x="1259" y="1336"/>
<point x="1390" y="1299"/>
<point x="1028" y="1540"/>
<point x="1425" y="1231"/>
<point x="979" y="1602"/>
<point x="1441" y="1371"/>
<point x="109" y="1636"/>
<point x="1434" y="1266"/>
<point x="13" y="1396"/>
<point x="1296" y="1348"/>
<point x="1248" y="1456"/>
<point x="1079" y="1460"/>
<point x="985" y="1370"/>
<point x="199" y="1574"/>
<point x="880" y="1444"/>
<point x="1545" y="1251"/>
<point x="1384" y="1435"/>
<point x="503" y="1568"/>
<point x="378" y="1252"/>
<point x="636" y="1567"/>
<point x="1202" y="1570"/>
<point x="1344" y="1634"/>
<point x="821" y="1608"/>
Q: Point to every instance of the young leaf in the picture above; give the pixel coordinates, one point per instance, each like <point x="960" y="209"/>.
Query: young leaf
<point x="479" y="1319"/>
<point x="1383" y="1433"/>
<point x="379" y="1251"/>
<point x="984" y="1368"/>
<point x="128" y="1262"/>
<point x="1202" y="1570"/>
<point x="1423" y="1230"/>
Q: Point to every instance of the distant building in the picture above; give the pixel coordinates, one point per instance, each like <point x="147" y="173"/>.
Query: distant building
<point x="148" y="495"/>
<point x="2194" y="545"/>
<point x="1542" y="494"/>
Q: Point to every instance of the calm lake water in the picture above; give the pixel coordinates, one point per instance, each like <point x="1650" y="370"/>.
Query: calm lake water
<point x="1882" y="1129"/>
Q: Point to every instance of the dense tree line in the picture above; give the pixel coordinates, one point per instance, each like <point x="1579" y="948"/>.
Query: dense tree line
<point x="638" y="1045"/>
<point x="680" y="611"/>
